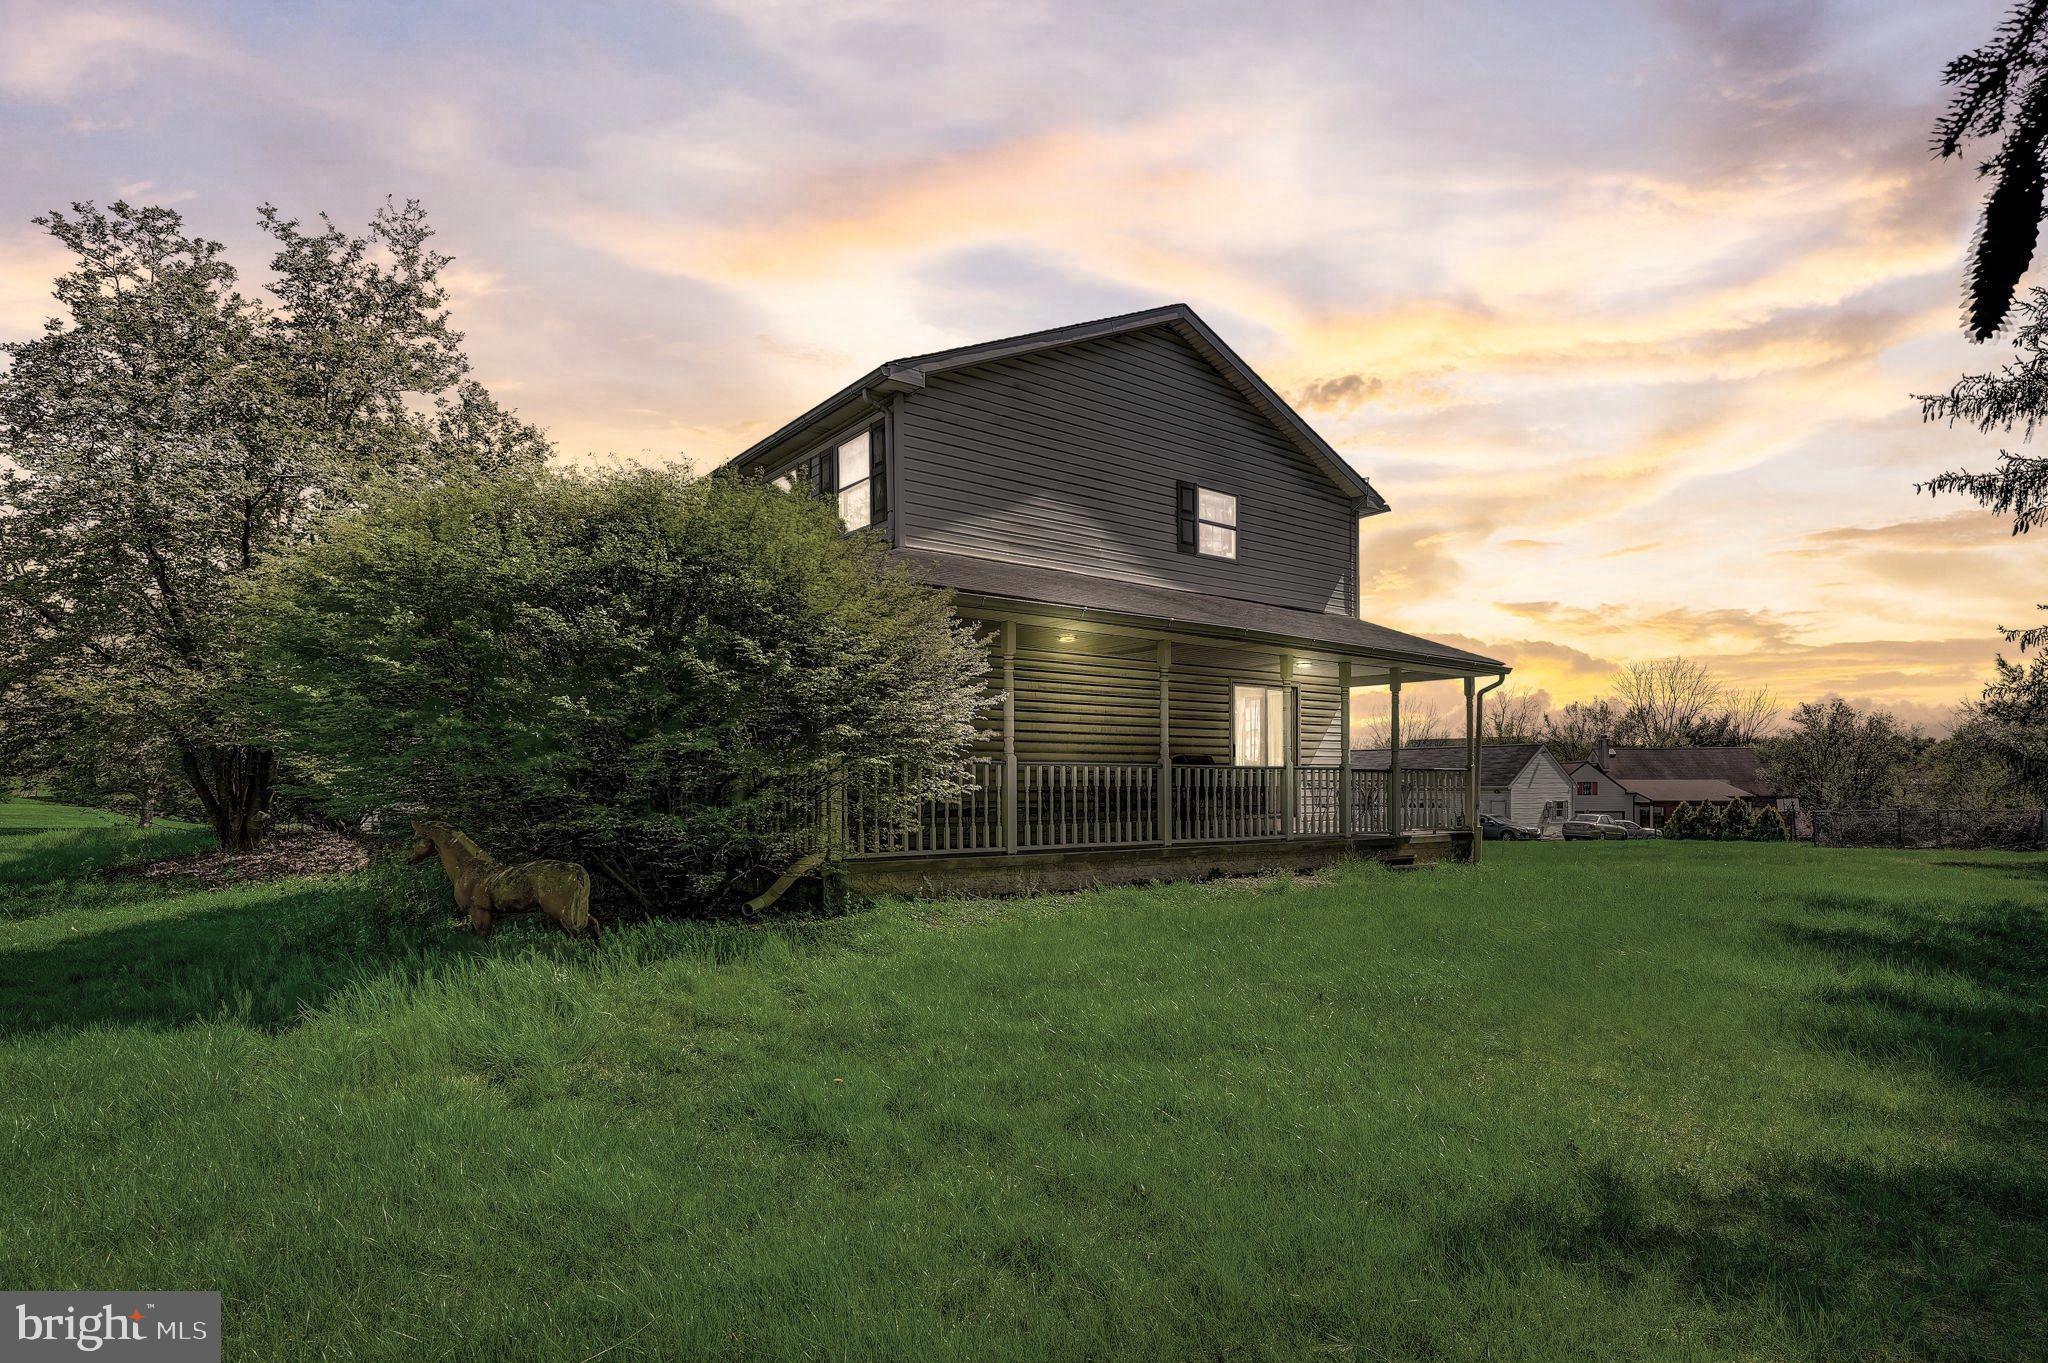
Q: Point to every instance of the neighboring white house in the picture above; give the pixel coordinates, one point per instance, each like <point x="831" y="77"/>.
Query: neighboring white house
<point x="1519" y="782"/>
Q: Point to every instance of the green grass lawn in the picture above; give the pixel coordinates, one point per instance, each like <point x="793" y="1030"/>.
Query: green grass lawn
<point x="25" y="814"/>
<point x="1607" y="1101"/>
<point x="19" y="814"/>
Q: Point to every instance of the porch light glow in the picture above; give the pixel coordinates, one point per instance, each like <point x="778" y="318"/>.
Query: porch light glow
<point x="1066" y="638"/>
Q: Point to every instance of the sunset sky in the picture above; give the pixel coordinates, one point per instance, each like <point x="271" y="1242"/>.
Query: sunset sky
<point x="1620" y="305"/>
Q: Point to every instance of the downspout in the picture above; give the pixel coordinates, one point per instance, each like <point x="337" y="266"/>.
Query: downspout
<point x="1472" y="767"/>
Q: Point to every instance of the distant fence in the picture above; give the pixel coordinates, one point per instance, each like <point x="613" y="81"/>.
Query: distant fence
<point x="2015" y="830"/>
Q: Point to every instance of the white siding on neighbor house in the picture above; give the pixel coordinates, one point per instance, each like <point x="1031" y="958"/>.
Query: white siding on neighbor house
<point x="1541" y="782"/>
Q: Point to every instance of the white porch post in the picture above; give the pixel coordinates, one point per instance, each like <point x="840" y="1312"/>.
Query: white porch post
<point x="1166" y="741"/>
<point x="1473" y="739"/>
<point x="1344" y="821"/>
<point x="1009" y="736"/>
<point x="1290" y="743"/>
<point x="1479" y="729"/>
<point x="1394" y="810"/>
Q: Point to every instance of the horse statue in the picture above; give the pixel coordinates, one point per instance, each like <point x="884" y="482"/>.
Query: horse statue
<point x="486" y="888"/>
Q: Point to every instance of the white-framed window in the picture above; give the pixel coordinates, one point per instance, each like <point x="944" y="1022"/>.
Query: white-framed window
<point x="1206" y="521"/>
<point x="856" y="482"/>
<point x="1258" y="726"/>
<point x="851" y="473"/>
<point x="1215" y="523"/>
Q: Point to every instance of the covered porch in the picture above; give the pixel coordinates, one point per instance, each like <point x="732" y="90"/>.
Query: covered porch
<point x="1172" y="740"/>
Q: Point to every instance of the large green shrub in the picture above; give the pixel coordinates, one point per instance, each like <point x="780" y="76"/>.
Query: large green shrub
<point x="1736" y="821"/>
<point x="1682" y="822"/>
<point x="636" y="671"/>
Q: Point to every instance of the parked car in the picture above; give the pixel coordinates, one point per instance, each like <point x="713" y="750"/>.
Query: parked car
<point x="1592" y="826"/>
<point x="1631" y="829"/>
<point x="1493" y="828"/>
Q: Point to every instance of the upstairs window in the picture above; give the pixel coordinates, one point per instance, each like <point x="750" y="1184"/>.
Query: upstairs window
<point x="1207" y="521"/>
<point x="853" y="473"/>
<point x="1588" y="788"/>
<point x="856" y="483"/>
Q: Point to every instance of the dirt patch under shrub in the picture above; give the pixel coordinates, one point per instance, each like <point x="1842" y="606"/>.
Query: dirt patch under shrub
<point x="287" y="852"/>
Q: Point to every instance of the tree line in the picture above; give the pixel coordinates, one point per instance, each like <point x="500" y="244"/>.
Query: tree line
<point x="1675" y="702"/>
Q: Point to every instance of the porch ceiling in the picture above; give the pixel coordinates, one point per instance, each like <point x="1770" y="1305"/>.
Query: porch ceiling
<point x="1093" y="605"/>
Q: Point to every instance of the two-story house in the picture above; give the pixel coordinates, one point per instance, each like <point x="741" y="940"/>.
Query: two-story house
<point x="1163" y="557"/>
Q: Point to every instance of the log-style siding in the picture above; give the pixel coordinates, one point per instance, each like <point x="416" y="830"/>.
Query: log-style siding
<point x="1096" y="699"/>
<point x="1069" y="458"/>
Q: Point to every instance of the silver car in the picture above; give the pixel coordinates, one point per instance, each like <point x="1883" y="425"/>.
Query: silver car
<point x="1586" y="827"/>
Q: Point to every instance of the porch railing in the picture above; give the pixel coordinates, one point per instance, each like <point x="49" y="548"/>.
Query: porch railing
<point x="1073" y="805"/>
<point x="969" y="822"/>
<point x="1432" y="800"/>
<point x="1086" y="804"/>
<point x="1369" y="803"/>
<point x="1228" y="804"/>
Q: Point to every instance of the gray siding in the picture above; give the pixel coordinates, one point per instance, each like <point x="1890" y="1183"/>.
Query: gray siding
<point x="1610" y="799"/>
<point x="1068" y="458"/>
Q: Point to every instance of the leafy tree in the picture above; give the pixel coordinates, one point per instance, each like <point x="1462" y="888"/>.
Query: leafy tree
<point x="1833" y="756"/>
<point x="1683" y="823"/>
<point x="2012" y="723"/>
<point x="1736" y="821"/>
<point x="2010" y="400"/>
<point x="98" y="745"/>
<point x="655" y="676"/>
<point x="1710" y="822"/>
<point x="1964" y="772"/>
<point x="166" y="435"/>
<point x="1767" y="824"/>
<point x="2002" y="92"/>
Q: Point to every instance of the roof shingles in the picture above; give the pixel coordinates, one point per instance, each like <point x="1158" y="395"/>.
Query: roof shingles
<point x="1083" y="593"/>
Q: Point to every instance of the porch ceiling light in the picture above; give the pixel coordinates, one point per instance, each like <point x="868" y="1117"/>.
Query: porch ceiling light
<point x="1066" y="638"/>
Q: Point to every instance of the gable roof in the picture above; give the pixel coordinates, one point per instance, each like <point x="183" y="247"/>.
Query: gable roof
<point x="1677" y="792"/>
<point x="1739" y="767"/>
<point x="1499" y="763"/>
<point x="912" y="372"/>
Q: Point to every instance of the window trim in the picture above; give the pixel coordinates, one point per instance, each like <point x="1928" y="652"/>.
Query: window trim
<point x="1189" y="520"/>
<point x="1271" y="693"/>
<point x="817" y="471"/>
<point x="840" y="487"/>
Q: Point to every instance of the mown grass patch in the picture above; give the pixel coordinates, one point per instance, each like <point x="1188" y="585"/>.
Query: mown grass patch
<point x="22" y="814"/>
<point x="1616" y="1101"/>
